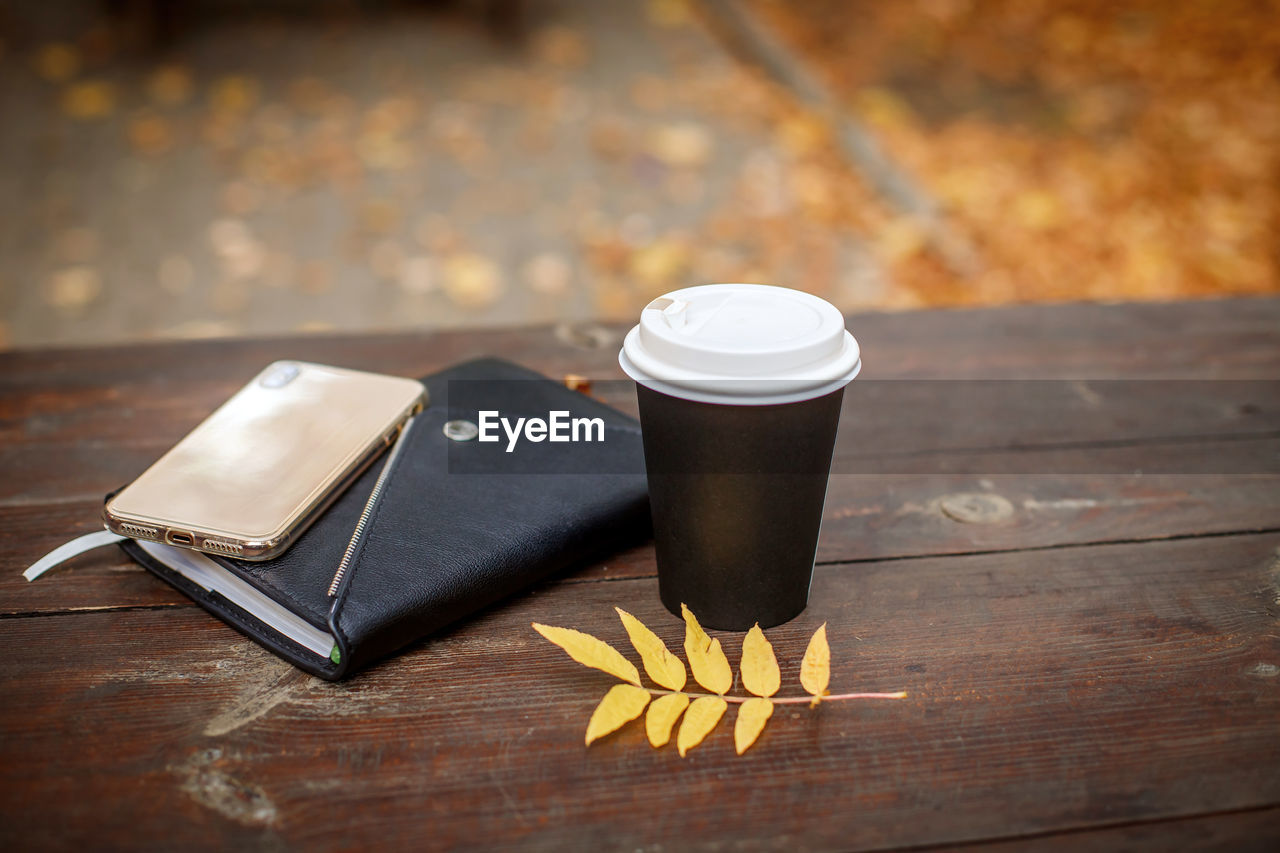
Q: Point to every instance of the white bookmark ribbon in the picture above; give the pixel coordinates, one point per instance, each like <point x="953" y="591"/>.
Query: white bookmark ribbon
<point x="71" y="549"/>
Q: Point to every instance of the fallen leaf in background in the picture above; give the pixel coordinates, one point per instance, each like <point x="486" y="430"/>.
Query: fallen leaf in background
<point x="681" y="145"/>
<point x="89" y="100"/>
<point x="57" y="62"/>
<point x="549" y="274"/>
<point x="669" y="13"/>
<point x="170" y="85"/>
<point x="657" y="266"/>
<point x="1084" y="149"/>
<point x="73" y="288"/>
<point x="1087" y="149"/>
<point x="560" y="46"/>
<point x="419" y="275"/>
<point x="150" y="136"/>
<point x="233" y="94"/>
<point x="472" y="281"/>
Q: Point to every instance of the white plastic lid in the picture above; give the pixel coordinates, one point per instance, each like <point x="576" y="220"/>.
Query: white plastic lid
<point x="741" y="344"/>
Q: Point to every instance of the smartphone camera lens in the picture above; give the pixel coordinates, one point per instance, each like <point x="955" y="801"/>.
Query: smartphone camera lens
<point x="280" y="376"/>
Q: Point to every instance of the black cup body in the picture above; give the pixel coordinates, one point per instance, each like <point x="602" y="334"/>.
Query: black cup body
<point x="737" y="494"/>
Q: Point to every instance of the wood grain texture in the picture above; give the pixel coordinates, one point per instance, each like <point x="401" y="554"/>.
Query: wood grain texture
<point x="1110" y="683"/>
<point x="866" y="518"/>
<point x="1251" y="831"/>
<point x="1085" y="620"/>
<point x="899" y="427"/>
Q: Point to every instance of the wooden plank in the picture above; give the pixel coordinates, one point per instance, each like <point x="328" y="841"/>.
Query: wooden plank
<point x="56" y="450"/>
<point x="57" y="404"/>
<point x="98" y="580"/>
<point x="1255" y="831"/>
<point x="84" y="472"/>
<point x="876" y="517"/>
<point x="1210" y="339"/>
<point x="1057" y="690"/>
<point x="867" y="517"/>
<point x="64" y="414"/>
<point x="196" y="361"/>
<point x="881" y="418"/>
<point x="1222" y="339"/>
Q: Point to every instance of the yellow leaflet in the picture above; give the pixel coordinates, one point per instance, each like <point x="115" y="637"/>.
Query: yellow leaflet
<point x="589" y="651"/>
<point x="759" y="667"/>
<point x="710" y="667"/>
<point x="699" y="720"/>
<point x="663" y="667"/>
<point x="752" y="716"/>
<point x="622" y="704"/>
<point x="662" y="715"/>
<point x="815" y="669"/>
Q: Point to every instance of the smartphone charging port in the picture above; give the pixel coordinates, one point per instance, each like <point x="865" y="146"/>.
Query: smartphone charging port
<point x="177" y="537"/>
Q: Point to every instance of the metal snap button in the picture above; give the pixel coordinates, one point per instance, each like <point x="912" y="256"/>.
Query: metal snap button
<point x="460" y="430"/>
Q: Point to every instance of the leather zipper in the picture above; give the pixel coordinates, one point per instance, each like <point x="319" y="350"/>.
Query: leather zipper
<point x="370" y="505"/>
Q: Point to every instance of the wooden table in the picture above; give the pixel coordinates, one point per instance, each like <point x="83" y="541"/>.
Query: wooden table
<point x="1080" y="594"/>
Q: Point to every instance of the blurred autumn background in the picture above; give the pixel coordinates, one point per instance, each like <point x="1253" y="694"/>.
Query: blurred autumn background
<point x="213" y="167"/>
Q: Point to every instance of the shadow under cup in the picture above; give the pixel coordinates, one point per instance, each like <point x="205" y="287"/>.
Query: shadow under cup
<point x="737" y="494"/>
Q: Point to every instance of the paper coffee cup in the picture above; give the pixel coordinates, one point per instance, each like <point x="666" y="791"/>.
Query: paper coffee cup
<point x="739" y="389"/>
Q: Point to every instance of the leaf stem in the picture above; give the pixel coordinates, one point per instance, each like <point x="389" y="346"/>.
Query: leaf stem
<point x="786" y="700"/>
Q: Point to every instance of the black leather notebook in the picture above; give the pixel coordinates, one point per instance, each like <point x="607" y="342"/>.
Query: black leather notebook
<point x="439" y="527"/>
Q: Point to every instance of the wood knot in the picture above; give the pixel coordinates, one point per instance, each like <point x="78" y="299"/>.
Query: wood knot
<point x="975" y="508"/>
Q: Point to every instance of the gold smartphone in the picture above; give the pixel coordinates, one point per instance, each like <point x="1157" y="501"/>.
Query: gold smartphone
<point x="255" y="474"/>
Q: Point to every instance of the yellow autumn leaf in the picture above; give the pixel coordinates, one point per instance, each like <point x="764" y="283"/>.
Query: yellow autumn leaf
<point x="589" y="651"/>
<point x="662" y="715"/>
<point x="752" y="716"/>
<point x="664" y="668"/>
<point x="759" y="666"/>
<point x="710" y="667"/>
<point x="815" y="669"/>
<point x="699" y="720"/>
<point x="622" y="704"/>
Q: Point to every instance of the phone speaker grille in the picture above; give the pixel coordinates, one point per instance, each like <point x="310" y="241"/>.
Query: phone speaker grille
<point x="223" y="547"/>
<point x="138" y="531"/>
